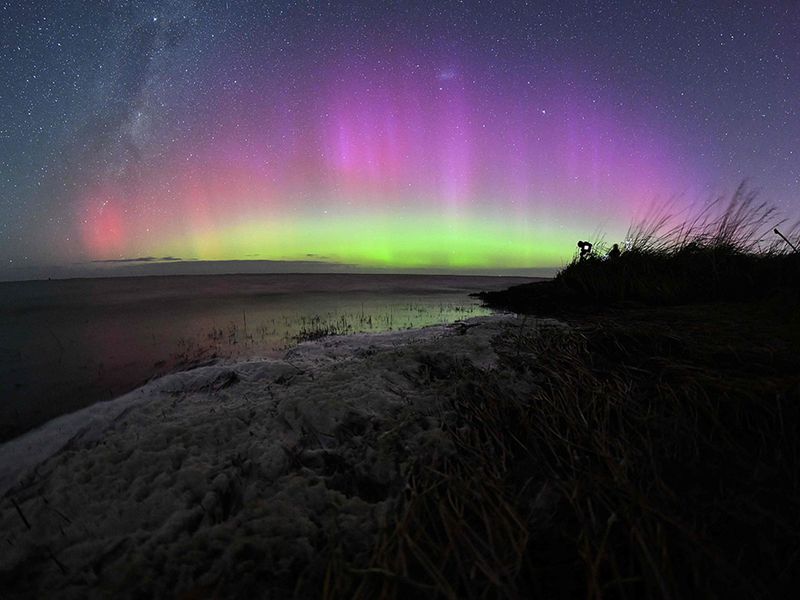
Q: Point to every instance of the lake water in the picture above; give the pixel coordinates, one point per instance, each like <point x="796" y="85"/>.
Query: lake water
<point x="69" y="343"/>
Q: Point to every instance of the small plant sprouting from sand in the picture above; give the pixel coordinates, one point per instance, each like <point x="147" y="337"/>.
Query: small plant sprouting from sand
<point x="274" y="336"/>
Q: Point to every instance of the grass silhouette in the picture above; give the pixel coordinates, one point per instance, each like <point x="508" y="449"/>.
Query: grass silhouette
<point x="727" y="252"/>
<point x="649" y="451"/>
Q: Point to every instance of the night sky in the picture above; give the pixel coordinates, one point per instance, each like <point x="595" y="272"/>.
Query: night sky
<point x="403" y="135"/>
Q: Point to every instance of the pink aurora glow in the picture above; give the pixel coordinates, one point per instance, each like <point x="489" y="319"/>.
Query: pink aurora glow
<point x="446" y="144"/>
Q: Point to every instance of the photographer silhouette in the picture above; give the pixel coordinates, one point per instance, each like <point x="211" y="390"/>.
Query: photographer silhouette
<point x="586" y="249"/>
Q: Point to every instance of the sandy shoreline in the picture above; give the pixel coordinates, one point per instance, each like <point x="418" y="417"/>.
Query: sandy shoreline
<point x="233" y="474"/>
<point x="69" y="344"/>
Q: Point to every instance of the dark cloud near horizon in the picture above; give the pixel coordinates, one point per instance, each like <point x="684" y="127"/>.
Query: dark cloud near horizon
<point x="142" y="259"/>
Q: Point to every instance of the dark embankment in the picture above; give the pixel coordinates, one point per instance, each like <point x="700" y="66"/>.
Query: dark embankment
<point x="688" y="275"/>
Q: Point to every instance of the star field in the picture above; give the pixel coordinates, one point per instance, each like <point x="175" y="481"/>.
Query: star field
<point x="445" y="135"/>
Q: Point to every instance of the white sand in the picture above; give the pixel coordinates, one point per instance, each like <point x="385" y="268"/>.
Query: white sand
<point x="233" y="474"/>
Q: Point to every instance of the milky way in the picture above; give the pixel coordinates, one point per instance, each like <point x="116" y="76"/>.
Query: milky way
<point x="410" y="135"/>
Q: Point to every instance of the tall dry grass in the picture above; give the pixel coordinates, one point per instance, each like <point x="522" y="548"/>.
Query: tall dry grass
<point x="727" y="251"/>
<point x="741" y="223"/>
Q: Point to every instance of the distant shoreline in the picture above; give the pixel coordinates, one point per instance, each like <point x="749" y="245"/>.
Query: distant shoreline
<point x="144" y="270"/>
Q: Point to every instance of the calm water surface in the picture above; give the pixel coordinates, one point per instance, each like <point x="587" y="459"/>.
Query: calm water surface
<point x="67" y="344"/>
